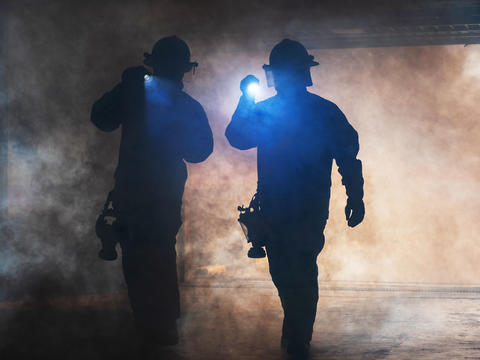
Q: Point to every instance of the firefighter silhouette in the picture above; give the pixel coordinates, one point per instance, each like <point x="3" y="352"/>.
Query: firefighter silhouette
<point x="162" y="127"/>
<point x="297" y="135"/>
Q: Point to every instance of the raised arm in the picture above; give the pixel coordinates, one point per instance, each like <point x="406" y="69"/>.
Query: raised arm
<point x="346" y="148"/>
<point x="107" y="112"/>
<point x="242" y="131"/>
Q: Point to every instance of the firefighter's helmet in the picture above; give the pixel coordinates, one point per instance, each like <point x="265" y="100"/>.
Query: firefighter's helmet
<point x="290" y="54"/>
<point x="289" y="60"/>
<point x="171" y="54"/>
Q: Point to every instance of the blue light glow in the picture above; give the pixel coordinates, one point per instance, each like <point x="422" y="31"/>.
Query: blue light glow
<point x="147" y="77"/>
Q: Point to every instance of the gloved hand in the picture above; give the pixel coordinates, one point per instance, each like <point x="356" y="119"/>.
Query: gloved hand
<point x="354" y="212"/>
<point x="247" y="80"/>
<point x="134" y="74"/>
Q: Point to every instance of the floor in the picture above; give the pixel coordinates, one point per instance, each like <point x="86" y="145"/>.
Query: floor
<point x="231" y="320"/>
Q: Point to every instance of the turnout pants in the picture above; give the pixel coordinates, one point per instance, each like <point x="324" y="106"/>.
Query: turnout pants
<point x="292" y="257"/>
<point x="150" y="270"/>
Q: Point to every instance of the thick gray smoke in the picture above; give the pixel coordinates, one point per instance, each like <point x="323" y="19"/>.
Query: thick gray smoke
<point x="414" y="109"/>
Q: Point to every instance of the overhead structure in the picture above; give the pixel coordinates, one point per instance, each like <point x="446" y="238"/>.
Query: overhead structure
<point x="432" y="22"/>
<point x="332" y="23"/>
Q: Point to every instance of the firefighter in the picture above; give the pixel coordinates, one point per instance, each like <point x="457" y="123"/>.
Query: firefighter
<point x="297" y="135"/>
<point x="162" y="127"/>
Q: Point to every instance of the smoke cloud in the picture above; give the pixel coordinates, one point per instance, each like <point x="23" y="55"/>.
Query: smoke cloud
<point x="415" y="109"/>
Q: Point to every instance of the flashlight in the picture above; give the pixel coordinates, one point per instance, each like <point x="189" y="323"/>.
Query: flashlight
<point x="250" y="86"/>
<point x="147" y="77"/>
<point x="253" y="89"/>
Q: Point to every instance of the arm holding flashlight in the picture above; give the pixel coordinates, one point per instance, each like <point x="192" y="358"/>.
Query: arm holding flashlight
<point x="107" y="112"/>
<point x="346" y="149"/>
<point x="242" y="132"/>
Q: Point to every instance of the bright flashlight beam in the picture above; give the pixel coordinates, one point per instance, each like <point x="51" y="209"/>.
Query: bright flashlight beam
<point x="253" y="89"/>
<point x="147" y="77"/>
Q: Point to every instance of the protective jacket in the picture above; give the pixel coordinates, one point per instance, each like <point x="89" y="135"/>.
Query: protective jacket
<point x="161" y="127"/>
<point x="297" y="136"/>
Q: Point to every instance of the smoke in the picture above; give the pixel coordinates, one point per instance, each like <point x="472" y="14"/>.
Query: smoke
<point x="415" y="110"/>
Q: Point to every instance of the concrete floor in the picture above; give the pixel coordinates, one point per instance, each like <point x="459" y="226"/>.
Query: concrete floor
<point x="230" y="320"/>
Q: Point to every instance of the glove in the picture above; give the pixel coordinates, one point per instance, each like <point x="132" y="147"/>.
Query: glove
<point x="247" y="80"/>
<point x="354" y="212"/>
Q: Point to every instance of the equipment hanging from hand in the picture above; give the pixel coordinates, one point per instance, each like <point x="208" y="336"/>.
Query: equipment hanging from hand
<point x="106" y="230"/>
<point x="254" y="227"/>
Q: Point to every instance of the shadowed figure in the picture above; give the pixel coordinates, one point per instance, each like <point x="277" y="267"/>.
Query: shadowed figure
<point x="162" y="127"/>
<point x="297" y="135"/>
